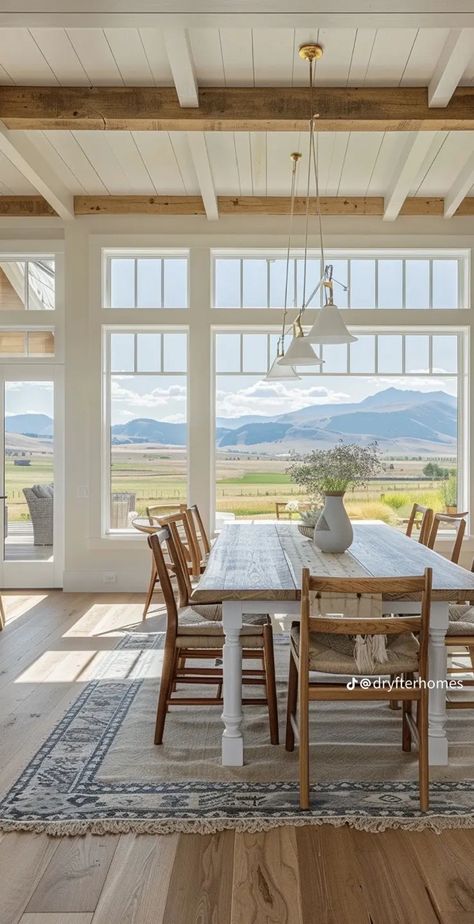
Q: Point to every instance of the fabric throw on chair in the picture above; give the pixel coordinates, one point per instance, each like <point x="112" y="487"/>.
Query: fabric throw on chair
<point x="99" y="771"/>
<point x="367" y="650"/>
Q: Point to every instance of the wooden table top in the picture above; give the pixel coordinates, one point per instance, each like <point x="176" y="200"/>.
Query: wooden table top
<point x="263" y="561"/>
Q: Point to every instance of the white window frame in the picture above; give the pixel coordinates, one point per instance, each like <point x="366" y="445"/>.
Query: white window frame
<point x="106" y="455"/>
<point x="110" y="253"/>
<point x="461" y="376"/>
<point x="462" y="258"/>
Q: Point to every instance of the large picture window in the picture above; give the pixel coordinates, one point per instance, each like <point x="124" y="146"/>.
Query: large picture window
<point x="146" y="421"/>
<point x="399" y="389"/>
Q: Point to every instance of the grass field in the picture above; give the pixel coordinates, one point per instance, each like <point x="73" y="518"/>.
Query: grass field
<point x="246" y="487"/>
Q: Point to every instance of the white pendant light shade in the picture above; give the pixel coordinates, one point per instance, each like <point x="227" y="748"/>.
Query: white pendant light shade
<point x="299" y="353"/>
<point x="277" y="372"/>
<point x="329" y="327"/>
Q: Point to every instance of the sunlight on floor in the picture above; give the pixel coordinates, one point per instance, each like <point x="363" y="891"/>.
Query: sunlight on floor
<point x="17" y="605"/>
<point x="57" y="666"/>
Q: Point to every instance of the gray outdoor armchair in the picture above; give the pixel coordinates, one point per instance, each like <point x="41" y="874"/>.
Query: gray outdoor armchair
<point x="40" y="500"/>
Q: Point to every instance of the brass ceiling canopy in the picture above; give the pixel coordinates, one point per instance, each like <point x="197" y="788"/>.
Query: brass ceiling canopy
<point x="310" y="51"/>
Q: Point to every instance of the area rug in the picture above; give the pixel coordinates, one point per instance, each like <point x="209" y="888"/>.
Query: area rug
<point x="98" y="771"/>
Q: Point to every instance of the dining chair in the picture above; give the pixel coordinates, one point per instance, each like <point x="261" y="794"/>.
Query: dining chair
<point x="201" y="538"/>
<point x="311" y="649"/>
<point x="460" y="636"/>
<point x="191" y="638"/>
<point x="422" y="518"/>
<point x="456" y="519"/>
<point x="158" y="516"/>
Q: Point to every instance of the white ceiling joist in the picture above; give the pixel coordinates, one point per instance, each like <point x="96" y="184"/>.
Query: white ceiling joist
<point x="28" y="160"/>
<point x="182" y="67"/>
<point x="460" y="188"/>
<point x="202" y="165"/>
<point x="454" y="59"/>
<point x="413" y="156"/>
<point x="178" y="50"/>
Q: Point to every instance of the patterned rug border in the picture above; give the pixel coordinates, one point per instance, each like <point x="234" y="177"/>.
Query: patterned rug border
<point x="210" y="821"/>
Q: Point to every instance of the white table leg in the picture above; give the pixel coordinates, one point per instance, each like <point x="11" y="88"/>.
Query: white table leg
<point x="232" y="740"/>
<point x="437" y="740"/>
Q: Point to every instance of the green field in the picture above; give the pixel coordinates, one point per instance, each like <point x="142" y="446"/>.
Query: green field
<point x="246" y="487"/>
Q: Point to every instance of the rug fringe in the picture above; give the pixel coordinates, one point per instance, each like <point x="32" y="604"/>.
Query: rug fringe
<point x="435" y="823"/>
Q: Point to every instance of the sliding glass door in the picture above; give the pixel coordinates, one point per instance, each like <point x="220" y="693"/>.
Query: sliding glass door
<point x="31" y="510"/>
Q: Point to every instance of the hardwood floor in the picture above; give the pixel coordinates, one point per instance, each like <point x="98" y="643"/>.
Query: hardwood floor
<point x="50" y="647"/>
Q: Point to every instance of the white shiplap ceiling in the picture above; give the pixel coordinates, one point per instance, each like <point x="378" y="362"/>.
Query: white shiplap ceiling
<point x="222" y="57"/>
<point x="123" y="162"/>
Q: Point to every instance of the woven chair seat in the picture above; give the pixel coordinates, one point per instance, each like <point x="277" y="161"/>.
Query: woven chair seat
<point x="461" y="619"/>
<point x="324" y="656"/>
<point x="193" y="632"/>
<point x="213" y="613"/>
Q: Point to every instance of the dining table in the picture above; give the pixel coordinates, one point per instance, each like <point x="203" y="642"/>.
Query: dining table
<point x="256" y="567"/>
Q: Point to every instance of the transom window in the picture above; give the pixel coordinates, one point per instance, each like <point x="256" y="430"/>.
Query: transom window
<point x="27" y="284"/>
<point x="32" y="343"/>
<point x="384" y="282"/>
<point x="146" y="280"/>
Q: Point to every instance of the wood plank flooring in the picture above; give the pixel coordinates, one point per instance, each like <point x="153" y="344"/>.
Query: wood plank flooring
<point x="52" y="644"/>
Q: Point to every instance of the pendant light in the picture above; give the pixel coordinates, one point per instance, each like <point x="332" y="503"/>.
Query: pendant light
<point x="279" y="371"/>
<point x="300" y="352"/>
<point x="329" y="326"/>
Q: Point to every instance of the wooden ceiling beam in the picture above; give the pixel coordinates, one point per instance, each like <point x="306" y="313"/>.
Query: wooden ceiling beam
<point x="36" y="206"/>
<point x="232" y="109"/>
<point x="257" y="205"/>
<point x="26" y="207"/>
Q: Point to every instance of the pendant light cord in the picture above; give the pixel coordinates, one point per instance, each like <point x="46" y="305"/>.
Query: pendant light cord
<point x="308" y="186"/>
<point x="295" y="158"/>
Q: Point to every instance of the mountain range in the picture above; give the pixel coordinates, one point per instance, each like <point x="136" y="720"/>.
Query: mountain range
<point x="408" y="421"/>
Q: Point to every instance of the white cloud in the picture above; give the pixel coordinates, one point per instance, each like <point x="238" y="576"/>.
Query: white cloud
<point x="406" y="383"/>
<point x="267" y="398"/>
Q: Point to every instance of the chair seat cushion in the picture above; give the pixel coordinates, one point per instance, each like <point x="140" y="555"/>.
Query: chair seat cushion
<point x="461" y="619"/>
<point x="402" y="654"/>
<point x="193" y="632"/>
<point x="213" y="613"/>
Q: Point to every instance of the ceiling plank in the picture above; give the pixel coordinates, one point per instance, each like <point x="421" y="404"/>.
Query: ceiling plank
<point x="37" y="206"/>
<point x="413" y="155"/>
<point x="232" y="109"/>
<point x="455" y="57"/>
<point x="27" y="158"/>
<point x="460" y="188"/>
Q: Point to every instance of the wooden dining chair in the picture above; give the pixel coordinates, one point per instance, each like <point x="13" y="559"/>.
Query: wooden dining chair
<point x="190" y="638"/>
<point x="456" y="519"/>
<point x="200" y="535"/>
<point x="310" y="651"/>
<point x="459" y="641"/>
<point x="421" y="518"/>
<point x="159" y="516"/>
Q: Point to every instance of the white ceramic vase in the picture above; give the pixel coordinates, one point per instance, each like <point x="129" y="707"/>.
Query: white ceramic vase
<point x="333" y="531"/>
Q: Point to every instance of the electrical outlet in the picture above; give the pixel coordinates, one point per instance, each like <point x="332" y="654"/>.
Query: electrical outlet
<point x="82" y="491"/>
<point x="109" y="577"/>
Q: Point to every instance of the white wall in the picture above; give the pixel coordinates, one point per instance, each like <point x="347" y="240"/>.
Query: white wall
<point x="87" y="555"/>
